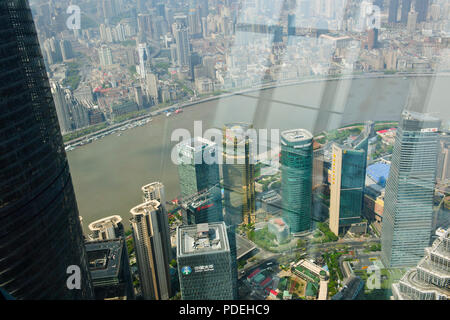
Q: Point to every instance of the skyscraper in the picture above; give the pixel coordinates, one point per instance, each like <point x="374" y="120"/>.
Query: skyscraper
<point x="347" y="186"/>
<point x="291" y="24"/>
<point x="182" y="45"/>
<point x="66" y="50"/>
<point x="372" y="38"/>
<point x="238" y="170"/>
<point x="408" y="203"/>
<point x="155" y="191"/>
<point x="393" y="11"/>
<point x="406" y="7"/>
<point x="62" y="108"/>
<point x="151" y="254"/>
<point x="105" y="56"/>
<point x="40" y="229"/>
<point x="296" y="178"/>
<point x="71" y="113"/>
<point x="412" y="21"/>
<point x="203" y="207"/>
<point x="106" y="228"/>
<point x="204" y="262"/>
<point x="421" y="7"/>
<point x="198" y="167"/>
<point x="429" y="280"/>
<point x="110" y="269"/>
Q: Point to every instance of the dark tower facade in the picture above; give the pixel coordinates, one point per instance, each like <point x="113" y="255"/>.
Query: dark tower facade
<point x="40" y="230"/>
<point x="393" y="11"/>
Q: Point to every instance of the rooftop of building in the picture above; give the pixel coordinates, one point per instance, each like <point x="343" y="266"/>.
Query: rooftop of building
<point x="105" y="222"/>
<point x="237" y="131"/>
<point x="195" y="144"/>
<point x="152" y="187"/>
<point x="271" y="196"/>
<point x="145" y="207"/>
<point x="279" y="224"/>
<point x="412" y="115"/>
<point x="297" y="135"/>
<point x="104" y="257"/>
<point x="410" y="278"/>
<point x="202" y="239"/>
<point x="197" y="199"/>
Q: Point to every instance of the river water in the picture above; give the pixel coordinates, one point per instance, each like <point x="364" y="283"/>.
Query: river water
<point x="108" y="173"/>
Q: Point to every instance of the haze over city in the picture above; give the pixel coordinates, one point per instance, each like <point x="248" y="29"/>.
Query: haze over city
<point x="225" y="150"/>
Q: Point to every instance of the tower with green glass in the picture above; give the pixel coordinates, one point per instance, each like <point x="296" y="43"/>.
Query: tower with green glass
<point x="348" y="175"/>
<point x="408" y="203"/>
<point x="296" y="178"/>
<point x="198" y="167"/>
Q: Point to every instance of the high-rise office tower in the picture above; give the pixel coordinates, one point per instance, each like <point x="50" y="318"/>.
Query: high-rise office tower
<point x="152" y="87"/>
<point x="106" y="228"/>
<point x="148" y="223"/>
<point x="40" y="229"/>
<point x="408" y="203"/>
<point x="62" y="107"/>
<point x="110" y="269"/>
<point x="194" y="22"/>
<point x="291" y="24"/>
<point x="204" y="262"/>
<point x="238" y="170"/>
<point x="198" y="167"/>
<point x="109" y="9"/>
<point x="203" y="8"/>
<point x="66" y="50"/>
<point x="406" y="7"/>
<point x="138" y="97"/>
<point x="182" y="43"/>
<point x="372" y="38"/>
<point x="393" y="11"/>
<point x="412" y="21"/>
<point x="71" y="113"/>
<point x="203" y="207"/>
<point x="105" y="56"/>
<point x="296" y="178"/>
<point x="202" y="197"/>
<point x="430" y="279"/>
<point x="155" y="191"/>
<point x="443" y="166"/>
<point x="421" y="7"/>
<point x="347" y="183"/>
<point x="143" y="57"/>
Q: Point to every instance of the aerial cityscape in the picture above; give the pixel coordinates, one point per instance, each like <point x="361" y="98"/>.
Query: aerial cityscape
<point x="225" y="150"/>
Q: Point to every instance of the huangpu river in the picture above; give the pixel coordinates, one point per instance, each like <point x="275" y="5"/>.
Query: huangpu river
<point x="108" y="173"/>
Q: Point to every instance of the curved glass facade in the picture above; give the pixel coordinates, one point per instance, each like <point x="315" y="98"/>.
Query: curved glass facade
<point x="296" y="178"/>
<point x="40" y="231"/>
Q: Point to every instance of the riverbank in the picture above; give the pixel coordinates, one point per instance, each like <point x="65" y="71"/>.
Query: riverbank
<point x="93" y="135"/>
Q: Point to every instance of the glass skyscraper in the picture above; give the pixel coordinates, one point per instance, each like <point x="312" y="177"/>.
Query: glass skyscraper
<point x="40" y="230"/>
<point x="198" y="168"/>
<point x="408" y="204"/>
<point x="204" y="262"/>
<point x="296" y="178"/>
<point x="348" y="167"/>
<point x="238" y="174"/>
<point x="203" y="207"/>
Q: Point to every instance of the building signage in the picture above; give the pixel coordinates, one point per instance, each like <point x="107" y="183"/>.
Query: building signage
<point x="186" y="270"/>
<point x="204" y="268"/>
<point x="429" y="130"/>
